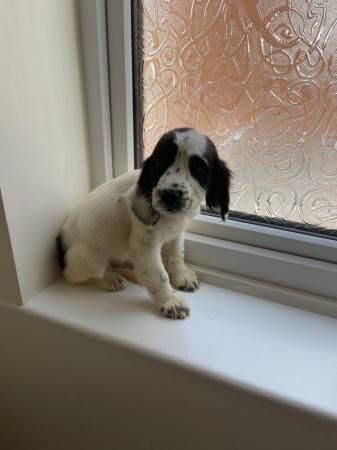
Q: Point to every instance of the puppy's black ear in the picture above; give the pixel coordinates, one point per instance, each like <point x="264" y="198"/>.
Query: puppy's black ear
<point x="145" y="182"/>
<point x="154" y="166"/>
<point x="217" y="194"/>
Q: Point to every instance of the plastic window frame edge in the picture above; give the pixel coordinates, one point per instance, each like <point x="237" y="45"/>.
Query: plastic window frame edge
<point x="94" y="47"/>
<point x="285" y="241"/>
<point x="280" y="257"/>
<point x="119" y="32"/>
<point x="105" y="34"/>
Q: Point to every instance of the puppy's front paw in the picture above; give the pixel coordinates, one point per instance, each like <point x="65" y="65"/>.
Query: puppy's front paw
<point x="185" y="280"/>
<point x="174" y="308"/>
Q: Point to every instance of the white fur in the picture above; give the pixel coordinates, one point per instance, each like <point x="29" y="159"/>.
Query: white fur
<point x="104" y="238"/>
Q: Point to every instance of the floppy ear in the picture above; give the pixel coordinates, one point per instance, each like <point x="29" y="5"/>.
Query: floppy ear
<point x="145" y="182"/>
<point x="217" y="194"/>
<point x="157" y="163"/>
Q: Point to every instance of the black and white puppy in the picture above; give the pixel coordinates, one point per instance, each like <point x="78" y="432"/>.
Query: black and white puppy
<point x="132" y="226"/>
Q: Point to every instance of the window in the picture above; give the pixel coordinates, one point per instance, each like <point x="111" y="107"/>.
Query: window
<point x="298" y="260"/>
<point x="260" y="79"/>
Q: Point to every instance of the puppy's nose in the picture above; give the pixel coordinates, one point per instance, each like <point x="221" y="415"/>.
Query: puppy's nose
<point x="171" y="198"/>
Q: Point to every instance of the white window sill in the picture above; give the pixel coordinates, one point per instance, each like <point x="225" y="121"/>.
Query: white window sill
<point x="258" y="345"/>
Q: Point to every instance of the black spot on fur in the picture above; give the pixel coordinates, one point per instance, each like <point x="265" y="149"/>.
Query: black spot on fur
<point x="178" y="170"/>
<point x="60" y="252"/>
<point x="217" y="192"/>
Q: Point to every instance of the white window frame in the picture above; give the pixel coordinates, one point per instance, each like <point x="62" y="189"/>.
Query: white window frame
<point x="108" y="86"/>
<point x="284" y="258"/>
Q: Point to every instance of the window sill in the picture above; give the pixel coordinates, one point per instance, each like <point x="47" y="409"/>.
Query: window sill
<point x="241" y="339"/>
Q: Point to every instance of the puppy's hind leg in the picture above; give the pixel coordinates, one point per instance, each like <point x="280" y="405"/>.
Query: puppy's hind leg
<point x="127" y="273"/>
<point x="112" y="281"/>
<point x="85" y="265"/>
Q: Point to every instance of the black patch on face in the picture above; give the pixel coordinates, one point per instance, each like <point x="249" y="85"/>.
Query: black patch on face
<point x="156" y="165"/>
<point x="217" y="193"/>
<point x="199" y="170"/>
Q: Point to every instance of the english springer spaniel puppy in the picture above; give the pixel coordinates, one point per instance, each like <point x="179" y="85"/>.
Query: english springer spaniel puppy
<point x="132" y="227"/>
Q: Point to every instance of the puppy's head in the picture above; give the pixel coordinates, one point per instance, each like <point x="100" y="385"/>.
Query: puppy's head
<point x="184" y="168"/>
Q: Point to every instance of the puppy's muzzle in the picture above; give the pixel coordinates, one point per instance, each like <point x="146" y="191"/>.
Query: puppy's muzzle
<point x="171" y="199"/>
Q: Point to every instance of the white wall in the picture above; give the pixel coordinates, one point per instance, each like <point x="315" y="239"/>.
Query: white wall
<point x="65" y="390"/>
<point x="44" y="157"/>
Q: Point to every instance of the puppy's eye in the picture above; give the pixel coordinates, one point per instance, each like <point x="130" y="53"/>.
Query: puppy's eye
<point x="198" y="169"/>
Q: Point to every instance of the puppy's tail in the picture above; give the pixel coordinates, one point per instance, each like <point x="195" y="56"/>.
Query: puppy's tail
<point x="61" y="252"/>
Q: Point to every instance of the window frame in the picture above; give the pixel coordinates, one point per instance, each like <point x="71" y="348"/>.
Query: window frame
<point x="92" y="30"/>
<point x="119" y="32"/>
<point x="262" y="236"/>
<point x="282" y="257"/>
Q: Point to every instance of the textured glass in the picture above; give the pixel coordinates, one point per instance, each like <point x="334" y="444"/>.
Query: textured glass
<point x="260" y="78"/>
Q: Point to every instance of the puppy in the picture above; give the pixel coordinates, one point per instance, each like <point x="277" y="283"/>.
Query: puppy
<point x="132" y="226"/>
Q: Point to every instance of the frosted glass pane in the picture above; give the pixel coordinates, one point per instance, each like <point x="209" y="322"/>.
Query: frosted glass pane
<point x="260" y="78"/>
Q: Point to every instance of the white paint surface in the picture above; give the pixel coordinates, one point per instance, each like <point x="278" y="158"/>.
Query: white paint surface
<point x="44" y="158"/>
<point x="65" y="389"/>
<point x="285" y="353"/>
